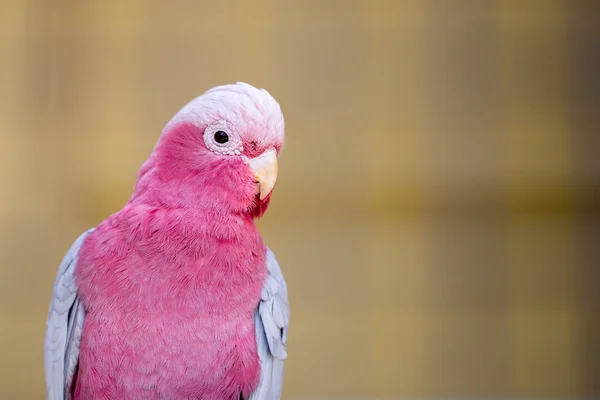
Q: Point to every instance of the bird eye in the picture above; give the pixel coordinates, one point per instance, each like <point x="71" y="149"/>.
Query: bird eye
<point x="221" y="137"/>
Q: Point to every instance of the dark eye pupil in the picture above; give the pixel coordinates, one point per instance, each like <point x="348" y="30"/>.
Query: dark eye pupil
<point x="221" y="137"/>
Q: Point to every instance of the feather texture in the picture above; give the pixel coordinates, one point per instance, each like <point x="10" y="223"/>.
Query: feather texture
<point x="67" y="314"/>
<point x="63" y="327"/>
<point x="271" y="323"/>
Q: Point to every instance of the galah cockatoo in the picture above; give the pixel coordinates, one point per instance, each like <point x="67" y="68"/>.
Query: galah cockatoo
<point x="176" y="296"/>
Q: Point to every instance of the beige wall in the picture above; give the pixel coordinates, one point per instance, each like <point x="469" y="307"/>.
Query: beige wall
<point x="437" y="210"/>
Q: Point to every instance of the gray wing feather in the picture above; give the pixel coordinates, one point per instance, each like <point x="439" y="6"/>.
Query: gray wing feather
<point x="271" y="323"/>
<point x="63" y="328"/>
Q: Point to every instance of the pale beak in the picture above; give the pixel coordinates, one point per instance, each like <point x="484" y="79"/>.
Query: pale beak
<point x="264" y="168"/>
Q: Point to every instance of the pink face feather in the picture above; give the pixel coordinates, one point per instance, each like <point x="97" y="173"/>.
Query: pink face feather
<point x="171" y="282"/>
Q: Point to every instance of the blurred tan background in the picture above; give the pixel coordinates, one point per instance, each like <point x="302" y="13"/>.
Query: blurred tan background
<point x="437" y="212"/>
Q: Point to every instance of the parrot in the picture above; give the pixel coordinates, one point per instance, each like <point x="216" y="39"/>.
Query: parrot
<point x="176" y="296"/>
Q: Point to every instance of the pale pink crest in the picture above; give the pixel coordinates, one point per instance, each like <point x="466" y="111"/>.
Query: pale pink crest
<point x="253" y="112"/>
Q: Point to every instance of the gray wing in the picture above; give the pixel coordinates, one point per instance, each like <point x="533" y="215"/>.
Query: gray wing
<point x="63" y="328"/>
<point x="271" y="322"/>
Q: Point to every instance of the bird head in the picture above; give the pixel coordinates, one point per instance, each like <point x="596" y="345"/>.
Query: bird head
<point x="219" y="151"/>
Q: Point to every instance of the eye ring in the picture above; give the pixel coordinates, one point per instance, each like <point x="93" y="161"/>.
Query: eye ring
<point x="221" y="138"/>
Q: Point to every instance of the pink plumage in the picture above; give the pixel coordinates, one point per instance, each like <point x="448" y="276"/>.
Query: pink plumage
<point x="171" y="282"/>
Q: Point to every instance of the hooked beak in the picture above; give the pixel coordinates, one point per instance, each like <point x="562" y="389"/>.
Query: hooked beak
<point x="264" y="168"/>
